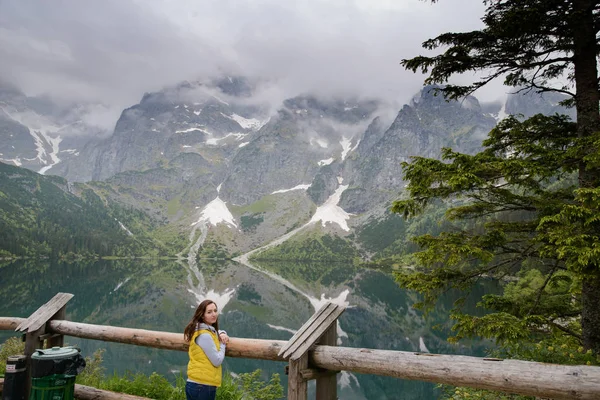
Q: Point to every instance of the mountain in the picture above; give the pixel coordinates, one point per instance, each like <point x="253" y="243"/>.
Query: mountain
<point x="38" y="133"/>
<point x="41" y="216"/>
<point x="222" y="172"/>
<point x="526" y="104"/>
<point x="421" y="128"/>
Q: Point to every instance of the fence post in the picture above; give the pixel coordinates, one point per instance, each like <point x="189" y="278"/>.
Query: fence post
<point x="297" y="385"/>
<point x="320" y="328"/>
<point x="35" y="330"/>
<point x="327" y="383"/>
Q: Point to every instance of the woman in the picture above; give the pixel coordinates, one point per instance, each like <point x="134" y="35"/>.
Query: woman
<point x="206" y="352"/>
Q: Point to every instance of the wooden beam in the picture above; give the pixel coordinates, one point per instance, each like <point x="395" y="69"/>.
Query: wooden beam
<point x="32" y="342"/>
<point x="312" y="373"/>
<point x="311" y="331"/>
<point x="47" y="336"/>
<point x="140" y="337"/>
<point x="307" y="325"/>
<point x="9" y="323"/>
<point x="327" y="385"/>
<point x="89" y="393"/>
<point x="249" y="348"/>
<point x="58" y="339"/>
<point x="322" y="324"/>
<point x="44" y="313"/>
<point x="297" y="385"/>
<point x="511" y="376"/>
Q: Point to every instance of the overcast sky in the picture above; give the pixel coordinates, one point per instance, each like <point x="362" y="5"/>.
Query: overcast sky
<point x="115" y="50"/>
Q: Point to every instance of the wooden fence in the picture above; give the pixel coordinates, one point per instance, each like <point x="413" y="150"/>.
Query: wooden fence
<point x="511" y="376"/>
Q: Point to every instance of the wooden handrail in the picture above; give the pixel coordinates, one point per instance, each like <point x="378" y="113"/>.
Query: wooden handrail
<point x="513" y="376"/>
<point x="10" y="324"/>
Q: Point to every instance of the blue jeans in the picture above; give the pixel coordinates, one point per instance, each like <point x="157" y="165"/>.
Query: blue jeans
<point x="196" y="391"/>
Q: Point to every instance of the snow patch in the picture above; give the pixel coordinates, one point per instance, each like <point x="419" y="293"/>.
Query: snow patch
<point x="345" y="147"/>
<point x="325" y="162"/>
<point x="502" y="113"/>
<point x="54" y="143"/>
<point x="16" y="161"/>
<point x="121" y="284"/>
<point x="248" y="123"/>
<point x="192" y="129"/>
<point x="347" y="379"/>
<point x="331" y="212"/>
<point x="221" y="101"/>
<point x="124" y="228"/>
<point x="243" y="144"/>
<point x="299" y="187"/>
<point x="220" y="299"/>
<point x="422" y="347"/>
<point x="319" y="142"/>
<point x="216" y="212"/>
<point x="215" y="141"/>
<point x="281" y="328"/>
<point x="197" y="112"/>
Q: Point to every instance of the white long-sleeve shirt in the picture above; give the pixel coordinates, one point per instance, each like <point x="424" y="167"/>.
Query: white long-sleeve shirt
<point x="205" y="341"/>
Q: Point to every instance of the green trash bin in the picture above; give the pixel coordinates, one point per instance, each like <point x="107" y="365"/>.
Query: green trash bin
<point x="53" y="373"/>
<point x="53" y="387"/>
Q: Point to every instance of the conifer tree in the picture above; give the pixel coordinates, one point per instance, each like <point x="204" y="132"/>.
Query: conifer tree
<point x="530" y="201"/>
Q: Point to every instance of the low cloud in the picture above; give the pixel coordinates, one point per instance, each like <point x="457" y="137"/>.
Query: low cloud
<point x="112" y="51"/>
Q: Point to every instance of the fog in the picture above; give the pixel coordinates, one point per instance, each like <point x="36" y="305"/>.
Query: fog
<point x="113" y="51"/>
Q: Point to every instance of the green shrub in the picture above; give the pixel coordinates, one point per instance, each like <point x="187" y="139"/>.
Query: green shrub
<point x="93" y="373"/>
<point x="154" y="386"/>
<point x="11" y="347"/>
<point x="254" y="388"/>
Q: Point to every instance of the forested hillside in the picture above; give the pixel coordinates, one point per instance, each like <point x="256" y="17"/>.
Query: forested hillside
<point x="39" y="216"/>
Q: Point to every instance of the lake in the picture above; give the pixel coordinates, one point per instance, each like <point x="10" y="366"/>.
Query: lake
<point x="262" y="300"/>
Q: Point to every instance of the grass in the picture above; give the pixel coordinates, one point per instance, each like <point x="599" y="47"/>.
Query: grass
<point x="173" y="206"/>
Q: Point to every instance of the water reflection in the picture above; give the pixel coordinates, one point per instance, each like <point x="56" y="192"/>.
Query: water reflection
<point x="268" y="301"/>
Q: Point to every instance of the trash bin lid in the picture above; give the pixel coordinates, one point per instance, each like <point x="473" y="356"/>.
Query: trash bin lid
<point x="54" y="353"/>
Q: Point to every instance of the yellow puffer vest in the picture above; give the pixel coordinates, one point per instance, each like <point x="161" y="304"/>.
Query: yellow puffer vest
<point x="200" y="369"/>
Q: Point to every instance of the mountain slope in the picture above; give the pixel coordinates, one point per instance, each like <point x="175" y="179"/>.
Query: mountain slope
<point x="39" y="216"/>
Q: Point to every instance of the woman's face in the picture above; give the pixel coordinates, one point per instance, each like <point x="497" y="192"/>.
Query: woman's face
<point x="211" y="314"/>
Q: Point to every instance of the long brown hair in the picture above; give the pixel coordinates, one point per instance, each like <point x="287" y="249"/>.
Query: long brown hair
<point x="197" y="318"/>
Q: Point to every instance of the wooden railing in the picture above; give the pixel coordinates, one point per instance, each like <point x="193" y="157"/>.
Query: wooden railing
<point x="511" y="376"/>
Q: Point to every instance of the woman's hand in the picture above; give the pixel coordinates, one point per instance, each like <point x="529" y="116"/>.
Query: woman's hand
<point x="224" y="338"/>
